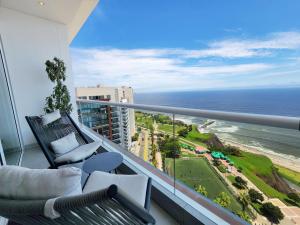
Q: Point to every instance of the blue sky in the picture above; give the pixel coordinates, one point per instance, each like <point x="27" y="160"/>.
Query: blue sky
<point x="164" y="45"/>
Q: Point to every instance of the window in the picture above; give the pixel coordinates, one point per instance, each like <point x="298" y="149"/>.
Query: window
<point x="97" y="97"/>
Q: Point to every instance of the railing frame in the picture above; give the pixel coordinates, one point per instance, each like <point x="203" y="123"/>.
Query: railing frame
<point x="292" y="123"/>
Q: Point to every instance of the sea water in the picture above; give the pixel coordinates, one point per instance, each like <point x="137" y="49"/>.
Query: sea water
<point x="284" y="102"/>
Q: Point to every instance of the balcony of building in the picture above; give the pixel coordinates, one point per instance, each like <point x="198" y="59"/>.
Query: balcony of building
<point x="179" y="189"/>
<point x="47" y="29"/>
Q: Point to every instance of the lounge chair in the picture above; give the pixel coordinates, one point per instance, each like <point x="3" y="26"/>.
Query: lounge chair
<point x="45" y="134"/>
<point x="105" y="207"/>
<point x="105" y="199"/>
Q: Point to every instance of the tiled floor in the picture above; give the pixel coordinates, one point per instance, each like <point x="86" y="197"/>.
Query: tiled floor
<point x="35" y="159"/>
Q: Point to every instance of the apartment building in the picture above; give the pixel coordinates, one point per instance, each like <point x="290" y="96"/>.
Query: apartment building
<point x="115" y="123"/>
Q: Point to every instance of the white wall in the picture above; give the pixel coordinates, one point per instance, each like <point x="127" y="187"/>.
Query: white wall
<point x="28" y="42"/>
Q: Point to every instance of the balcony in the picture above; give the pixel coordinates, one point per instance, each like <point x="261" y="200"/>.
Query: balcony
<point x="35" y="159"/>
<point x="170" y="190"/>
<point x="218" y="170"/>
<point x="165" y="148"/>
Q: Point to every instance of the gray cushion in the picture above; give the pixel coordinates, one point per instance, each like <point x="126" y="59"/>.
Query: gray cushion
<point x="51" y="117"/>
<point x="23" y="183"/>
<point x="79" y="153"/>
<point x="65" y="144"/>
<point x="134" y="187"/>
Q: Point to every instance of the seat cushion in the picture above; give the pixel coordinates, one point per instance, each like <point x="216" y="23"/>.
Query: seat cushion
<point x="28" y="184"/>
<point x="65" y="144"/>
<point x="79" y="153"/>
<point x="134" y="187"/>
<point x="50" y="117"/>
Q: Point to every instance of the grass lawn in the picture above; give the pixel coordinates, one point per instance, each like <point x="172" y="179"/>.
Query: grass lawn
<point x="231" y="178"/>
<point x="169" y="128"/>
<point x="196" y="137"/>
<point x="195" y="171"/>
<point x="192" y="143"/>
<point x="253" y="165"/>
<point x="144" y="120"/>
<point x="193" y="136"/>
<point x="288" y="174"/>
<point x="187" y="154"/>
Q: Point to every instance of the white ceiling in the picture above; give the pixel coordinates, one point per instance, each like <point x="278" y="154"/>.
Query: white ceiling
<point x="72" y="13"/>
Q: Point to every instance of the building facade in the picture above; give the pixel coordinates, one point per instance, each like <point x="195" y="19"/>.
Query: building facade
<point x="117" y="124"/>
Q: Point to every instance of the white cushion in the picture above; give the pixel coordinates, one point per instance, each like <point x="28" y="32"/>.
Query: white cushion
<point x="65" y="144"/>
<point x="79" y="153"/>
<point x="50" y="117"/>
<point x="23" y="183"/>
<point x="134" y="187"/>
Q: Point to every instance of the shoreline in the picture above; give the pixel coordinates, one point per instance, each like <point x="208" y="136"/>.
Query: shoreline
<point x="276" y="158"/>
<point x="292" y="164"/>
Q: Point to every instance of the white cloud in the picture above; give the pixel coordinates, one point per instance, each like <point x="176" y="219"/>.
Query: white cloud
<point x="149" y="70"/>
<point x="173" y="69"/>
<point x="238" y="48"/>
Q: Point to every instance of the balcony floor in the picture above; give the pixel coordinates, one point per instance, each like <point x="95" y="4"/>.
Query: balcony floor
<point x="35" y="159"/>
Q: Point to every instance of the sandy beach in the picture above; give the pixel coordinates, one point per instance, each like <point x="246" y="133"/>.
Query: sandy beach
<point x="279" y="159"/>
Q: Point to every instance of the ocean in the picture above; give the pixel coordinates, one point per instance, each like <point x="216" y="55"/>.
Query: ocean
<point x="284" y="102"/>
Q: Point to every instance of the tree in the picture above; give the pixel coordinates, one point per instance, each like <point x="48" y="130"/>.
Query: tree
<point x="135" y="137"/>
<point x="160" y="118"/>
<point x="255" y="196"/>
<point x="240" y="169"/>
<point x="170" y="147"/>
<point x="223" y="200"/>
<point x="244" y="200"/>
<point x="217" y="162"/>
<point x="201" y="189"/>
<point x="154" y="162"/>
<point x="183" y="132"/>
<point x="60" y="98"/>
<point x="153" y="154"/>
<point x="152" y="136"/>
<point x="294" y="196"/>
<point x="149" y="125"/>
<point x="244" y="216"/>
<point x="272" y="212"/>
<point x="232" y="150"/>
<point x="227" y="149"/>
<point x="240" y="182"/>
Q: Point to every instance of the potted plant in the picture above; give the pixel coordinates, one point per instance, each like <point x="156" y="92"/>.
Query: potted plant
<point x="60" y="97"/>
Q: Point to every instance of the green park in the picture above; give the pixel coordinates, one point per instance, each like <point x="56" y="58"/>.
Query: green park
<point x="193" y="168"/>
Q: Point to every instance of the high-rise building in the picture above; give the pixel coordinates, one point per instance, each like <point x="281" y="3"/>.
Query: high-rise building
<point x="117" y="124"/>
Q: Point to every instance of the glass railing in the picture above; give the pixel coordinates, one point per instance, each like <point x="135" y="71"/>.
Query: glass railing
<point x="243" y="167"/>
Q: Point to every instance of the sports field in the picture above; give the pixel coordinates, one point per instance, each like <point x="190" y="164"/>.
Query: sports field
<point x="195" y="171"/>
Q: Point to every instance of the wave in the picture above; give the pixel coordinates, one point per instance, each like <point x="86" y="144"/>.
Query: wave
<point x="275" y="141"/>
<point x="231" y="129"/>
<point x="223" y="127"/>
<point x="271" y="152"/>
